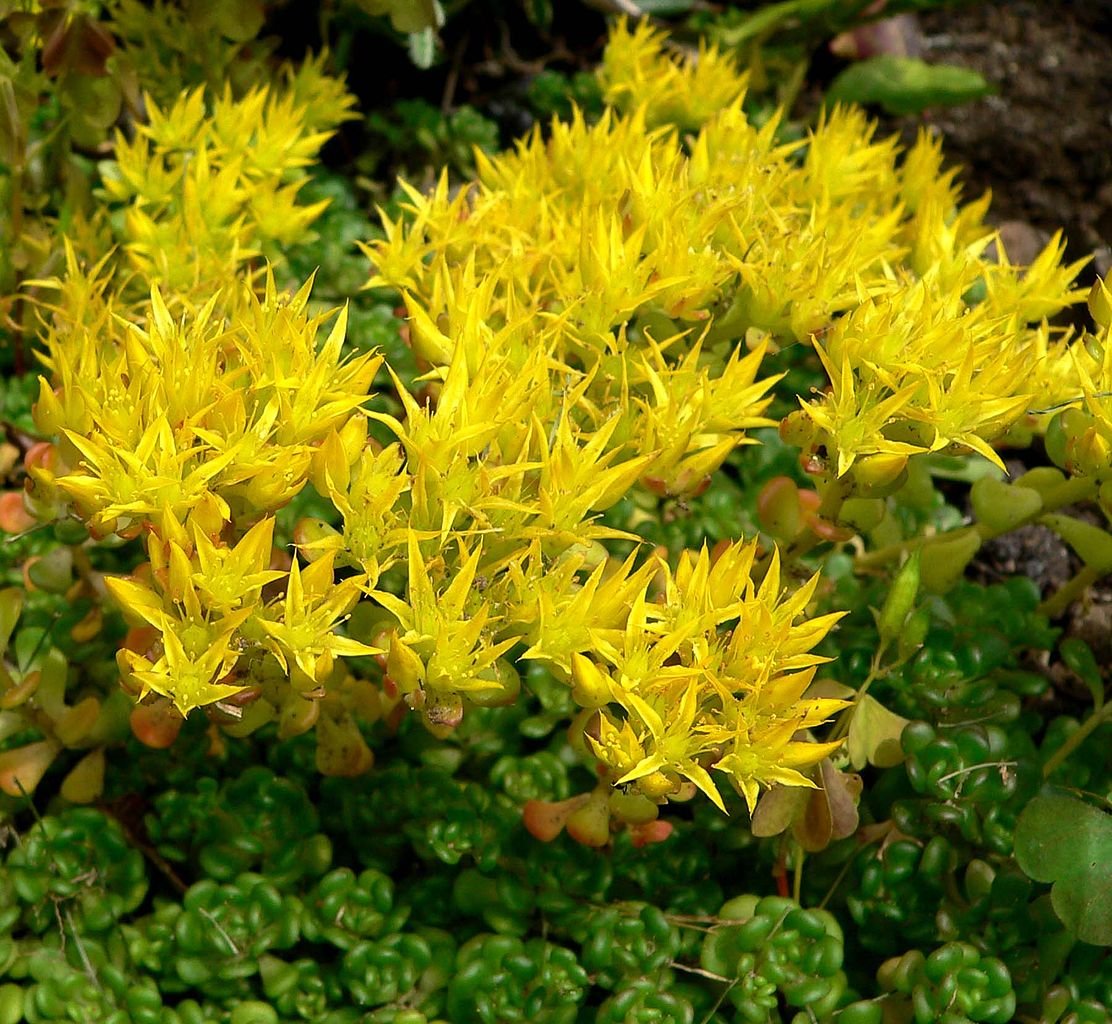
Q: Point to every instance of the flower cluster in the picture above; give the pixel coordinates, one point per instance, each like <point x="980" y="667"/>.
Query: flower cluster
<point x="209" y="183"/>
<point x="636" y="71"/>
<point x="190" y="431"/>
<point x="712" y="673"/>
<point x="628" y="232"/>
<point x="189" y="393"/>
<point x="487" y="502"/>
<point x="1079" y="437"/>
<point x="592" y="314"/>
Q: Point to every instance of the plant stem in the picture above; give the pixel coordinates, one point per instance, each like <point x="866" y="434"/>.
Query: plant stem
<point x="797" y="876"/>
<point x="1066" y="493"/>
<point x="1074" y="740"/>
<point x="16" y="228"/>
<point x="845" y="719"/>
<point x="1059" y="601"/>
<point x="768" y="19"/>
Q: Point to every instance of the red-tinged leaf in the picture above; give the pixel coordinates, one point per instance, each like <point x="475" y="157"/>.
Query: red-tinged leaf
<point x="545" y="820"/>
<point x="651" y="832"/>
<point x="156" y="724"/>
<point x="14" y="517"/>
<point x="22" y="769"/>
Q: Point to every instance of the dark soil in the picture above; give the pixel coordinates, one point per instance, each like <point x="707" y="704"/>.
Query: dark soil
<point x="1043" y="143"/>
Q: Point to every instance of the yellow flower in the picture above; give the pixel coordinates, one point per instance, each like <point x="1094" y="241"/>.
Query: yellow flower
<point x="301" y="626"/>
<point x="169" y="415"/>
<point x="210" y="182"/>
<point x="673" y="743"/>
<point x="711" y="679"/>
<point x="447" y="627"/>
<point x="199" y="643"/>
<point x="770" y="757"/>
<point x="636" y="71"/>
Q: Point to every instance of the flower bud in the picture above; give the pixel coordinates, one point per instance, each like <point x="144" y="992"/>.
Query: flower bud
<point x="914" y="633"/>
<point x="273" y="487"/>
<point x="404" y="667"/>
<point x="353" y="436"/>
<point x="48" y="412"/>
<point x="590" y="686"/>
<point x="210" y="515"/>
<point x="657" y="784"/>
<point x="584" y="724"/>
<point x="315" y="537"/>
<point x="329" y="466"/>
<point x="43" y="458"/>
<point x="1090" y="453"/>
<point x="877" y="476"/>
<point x="1100" y="303"/>
<point x="1061" y="434"/>
<point x="778" y="509"/>
<point x="425" y="338"/>
<point x="900" y="599"/>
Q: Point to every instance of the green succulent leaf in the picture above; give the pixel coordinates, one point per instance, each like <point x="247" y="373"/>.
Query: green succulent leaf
<point x="422" y="48"/>
<point x="407" y="16"/>
<point x="1092" y="543"/>
<point x="906" y="85"/>
<point x="1079" y="656"/>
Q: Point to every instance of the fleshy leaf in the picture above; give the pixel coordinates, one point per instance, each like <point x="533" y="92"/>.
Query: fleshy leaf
<point x="906" y="85"/>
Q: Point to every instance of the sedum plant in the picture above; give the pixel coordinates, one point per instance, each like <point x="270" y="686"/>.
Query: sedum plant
<point x="593" y="317"/>
<point x="636" y="526"/>
<point x="191" y="428"/>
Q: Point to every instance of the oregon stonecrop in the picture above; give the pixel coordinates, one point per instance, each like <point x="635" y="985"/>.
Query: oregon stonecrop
<point x="591" y="316"/>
